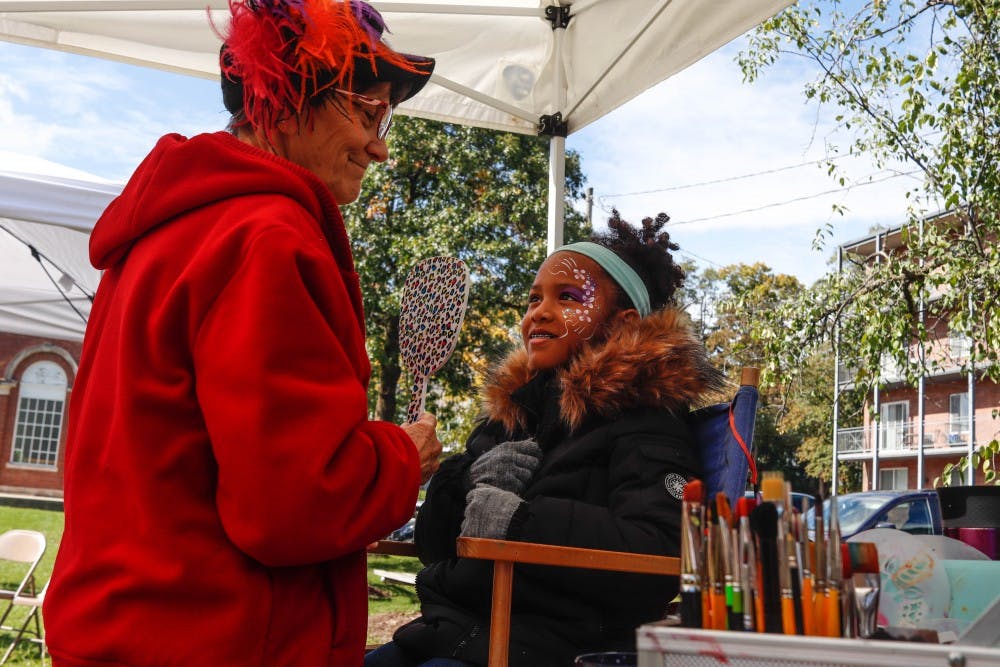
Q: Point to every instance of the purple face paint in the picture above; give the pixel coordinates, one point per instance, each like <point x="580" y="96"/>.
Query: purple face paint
<point x="578" y="318"/>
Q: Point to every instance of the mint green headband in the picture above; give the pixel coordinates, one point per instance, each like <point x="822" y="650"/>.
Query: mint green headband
<point x="620" y="272"/>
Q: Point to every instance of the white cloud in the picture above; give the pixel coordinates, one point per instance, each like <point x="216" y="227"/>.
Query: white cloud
<point x="705" y="125"/>
<point x="97" y="115"/>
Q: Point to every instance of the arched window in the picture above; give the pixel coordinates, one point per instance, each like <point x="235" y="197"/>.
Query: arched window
<point x="40" y="407"/>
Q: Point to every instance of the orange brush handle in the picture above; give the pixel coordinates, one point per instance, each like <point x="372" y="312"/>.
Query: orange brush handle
<point x="758" y="602"/>
<point x="719" y="621"/>
<point x="788" y="615"/>
<point x="832" y="612"/>
<point x="706" y="610"/>
<point x="807" y="606"/>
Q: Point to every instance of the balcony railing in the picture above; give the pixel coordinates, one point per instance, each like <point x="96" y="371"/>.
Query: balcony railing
<point x="898" y="437"/>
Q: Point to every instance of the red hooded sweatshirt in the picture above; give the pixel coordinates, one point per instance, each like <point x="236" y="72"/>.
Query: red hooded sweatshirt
<point x="222" y="475"/>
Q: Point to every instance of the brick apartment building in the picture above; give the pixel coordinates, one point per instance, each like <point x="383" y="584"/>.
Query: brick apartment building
<point x="919" y="430"/>
<point x="36" y="377"/>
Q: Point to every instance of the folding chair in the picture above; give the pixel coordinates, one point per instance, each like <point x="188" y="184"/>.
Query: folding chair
<point x="34" y="605"/>
<point x="20" y="546"/>
<point x="725" y="435"/>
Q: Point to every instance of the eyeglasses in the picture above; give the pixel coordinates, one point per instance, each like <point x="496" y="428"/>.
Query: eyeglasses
<point x="383" y="111"/>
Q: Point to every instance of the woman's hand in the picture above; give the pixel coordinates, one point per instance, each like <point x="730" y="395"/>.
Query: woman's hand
<point x="424" y="435"/>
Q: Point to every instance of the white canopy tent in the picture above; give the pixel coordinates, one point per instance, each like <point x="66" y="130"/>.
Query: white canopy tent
<point x="545" y="66"/>
<point x="46" y="214"/>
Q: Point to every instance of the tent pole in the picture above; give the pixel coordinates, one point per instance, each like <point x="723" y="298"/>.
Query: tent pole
<point x="557" y="187"/>
<point x="556" y="127"/>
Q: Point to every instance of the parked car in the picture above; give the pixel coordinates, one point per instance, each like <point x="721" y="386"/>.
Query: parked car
<point x="915" y="512"/>
<point x="798" y="500"/>
<point x="405" y="532"/>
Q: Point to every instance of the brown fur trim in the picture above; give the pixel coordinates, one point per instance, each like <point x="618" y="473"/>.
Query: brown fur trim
<point x="655" y="361"/>
<point x="503" y="380"/>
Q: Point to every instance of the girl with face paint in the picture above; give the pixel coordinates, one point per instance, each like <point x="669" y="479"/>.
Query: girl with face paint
<point x="582" y="442"/>
<point x="570" y="303"/>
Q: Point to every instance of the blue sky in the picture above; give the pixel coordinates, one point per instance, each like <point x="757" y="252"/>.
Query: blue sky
<point x="726" y="160"/>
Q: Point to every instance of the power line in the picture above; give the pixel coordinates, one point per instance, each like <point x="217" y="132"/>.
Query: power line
<point x="791" y="201"/>
<point x="688" y="253"/>
<point x="717" y="181"/>
<point x="741" y="177"/>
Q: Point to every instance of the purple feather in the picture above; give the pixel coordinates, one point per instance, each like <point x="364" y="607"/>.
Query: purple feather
<point x="370" y="20"/>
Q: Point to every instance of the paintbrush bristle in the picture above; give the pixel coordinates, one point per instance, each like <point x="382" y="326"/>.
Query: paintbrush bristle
<point x="863" y="556"/>
<point x="744" y="506"/>
<point x="694" y="491"/>
<point x="723" y="509"/>
<point x="772" y="486"/>
<point x="846" y="566"/>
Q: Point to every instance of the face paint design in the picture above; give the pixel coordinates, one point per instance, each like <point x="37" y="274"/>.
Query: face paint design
<point x="568" y="306"/>
<point x="578" y="318"/>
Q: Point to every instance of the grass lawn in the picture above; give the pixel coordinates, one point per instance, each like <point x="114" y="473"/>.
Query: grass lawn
<point x="50" y="523"/>
<point x="388" y="604"/>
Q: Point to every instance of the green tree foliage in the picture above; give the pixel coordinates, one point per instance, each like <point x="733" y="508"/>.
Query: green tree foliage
<point x="471" y="193"/>
<point x="744" y="294"/>
<point x="809" y="417"/>
<point x="984" y="459"/>
<point x="792" y="433"/>
<point x="913" y="82"/>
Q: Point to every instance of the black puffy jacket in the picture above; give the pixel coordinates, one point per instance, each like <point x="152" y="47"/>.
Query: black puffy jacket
<point x="617" y="452"/>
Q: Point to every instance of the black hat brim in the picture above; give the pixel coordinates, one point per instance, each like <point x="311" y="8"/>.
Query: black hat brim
<point x="405" y="82"/>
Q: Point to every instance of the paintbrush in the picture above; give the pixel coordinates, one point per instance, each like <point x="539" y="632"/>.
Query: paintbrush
<point x="716" y="575"/>
<point x="861" y="558"/>
<point x="819" y="572"/>
<point x="764" y="522"/>
<point x="691" y="566"/>
<point x="785" y="582"/>
<point x="747" y="561"/>
<point x="727" y="545"/>
<point x="773" y="490"/>
<point x="835" y="575"/>
<point x="793" y="556"/>
<point x="807" y="556"/>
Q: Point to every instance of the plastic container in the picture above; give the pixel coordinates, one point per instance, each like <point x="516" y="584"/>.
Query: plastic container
<point x="665" y="646"/>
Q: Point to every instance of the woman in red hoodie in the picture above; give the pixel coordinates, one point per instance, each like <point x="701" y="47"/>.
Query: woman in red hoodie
<point x="222" y="476"/>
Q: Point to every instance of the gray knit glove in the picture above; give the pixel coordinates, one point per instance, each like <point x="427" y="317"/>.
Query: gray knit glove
<point x="488" y="511"/>
<point x="507" y="466"/>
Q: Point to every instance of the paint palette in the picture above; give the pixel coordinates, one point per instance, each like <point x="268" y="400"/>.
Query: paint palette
<point x="916" y="592"/>
<point x="435" y="297"/>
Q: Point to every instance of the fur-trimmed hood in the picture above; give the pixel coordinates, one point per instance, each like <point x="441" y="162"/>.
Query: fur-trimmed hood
<point x="656" y="361"/>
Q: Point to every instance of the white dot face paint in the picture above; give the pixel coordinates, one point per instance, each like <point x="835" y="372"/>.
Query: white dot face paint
<point x="578" y="318"/>
<point x="569" y="303"/>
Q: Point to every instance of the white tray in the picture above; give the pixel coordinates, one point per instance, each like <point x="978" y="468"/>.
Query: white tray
<point x="660" y="645"/>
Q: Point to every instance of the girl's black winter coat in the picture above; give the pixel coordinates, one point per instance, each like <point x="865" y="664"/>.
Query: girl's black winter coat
<point x="617" y="452"/>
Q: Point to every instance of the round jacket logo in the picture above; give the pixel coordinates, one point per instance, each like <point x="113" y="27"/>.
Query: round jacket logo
<point x="675" y="485"/>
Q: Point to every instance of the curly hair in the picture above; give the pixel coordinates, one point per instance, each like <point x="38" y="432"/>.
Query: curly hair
<point x="647" y="251"/>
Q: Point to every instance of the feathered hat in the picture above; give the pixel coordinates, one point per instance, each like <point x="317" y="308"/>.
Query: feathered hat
<point x="279" y="55"/>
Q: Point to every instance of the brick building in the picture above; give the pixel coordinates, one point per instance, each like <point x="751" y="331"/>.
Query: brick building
<point x="918" y="430"/>
<point x="36" y="378"/>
